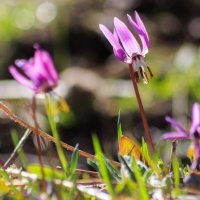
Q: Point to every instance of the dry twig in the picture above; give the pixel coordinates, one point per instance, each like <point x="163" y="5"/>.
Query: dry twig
<point x="46" y="136"/>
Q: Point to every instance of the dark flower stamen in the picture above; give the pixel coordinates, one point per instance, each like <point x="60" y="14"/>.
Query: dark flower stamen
<point x="150" y="72"/>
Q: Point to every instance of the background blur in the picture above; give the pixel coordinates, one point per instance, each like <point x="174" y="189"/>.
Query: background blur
<point x="95" y="84"/>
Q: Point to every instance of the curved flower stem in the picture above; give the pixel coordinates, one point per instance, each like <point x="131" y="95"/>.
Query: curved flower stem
<point x="143" y="116"/>
<point x="173" y="154"/>
<point x="46" y="136"/>
<point x="38" y="148"/>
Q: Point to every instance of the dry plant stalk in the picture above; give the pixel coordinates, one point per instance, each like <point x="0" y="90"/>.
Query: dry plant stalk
<point x="46" y="136"/>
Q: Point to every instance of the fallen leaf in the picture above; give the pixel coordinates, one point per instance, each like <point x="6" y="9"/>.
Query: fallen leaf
<point x="128" y="146"/>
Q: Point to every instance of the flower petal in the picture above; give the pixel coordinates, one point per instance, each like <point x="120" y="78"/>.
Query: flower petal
<point x="141" y="25"/>
<point x="127" y="39"/>
<point x="195" y="117"/>
<point x="20" y="78"/>
<point x="29" y="69"/>
<point x="176" y="125"/>
<point x="196" y="162"/>
<point x="114" y="41"/>
<point x="44" y="63"/>
<point x="119" y="53"/>
<point x="20" y="63"/>
<point x="175" y="136"/>
<point x="141" y="32"/>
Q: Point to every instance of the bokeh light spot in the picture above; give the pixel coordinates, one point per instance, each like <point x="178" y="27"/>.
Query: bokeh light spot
<point x="46" y="12"/>
<point x="185" y="57"/>
<point x="24" y="19"/>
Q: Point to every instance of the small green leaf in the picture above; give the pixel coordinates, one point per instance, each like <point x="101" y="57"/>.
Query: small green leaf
<point x="126" y="168"/>
<point x="74" y="160"/>
<point x="119" y="127"/>
<point x="144" y="149"/>
<point x="114" y="174"/>
<point x="102" y="166"/>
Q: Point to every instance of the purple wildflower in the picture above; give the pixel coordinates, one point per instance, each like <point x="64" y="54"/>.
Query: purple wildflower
<point x="182" y="134"/>
<point x="125" y="46"/>
<point x="37" y="73"/>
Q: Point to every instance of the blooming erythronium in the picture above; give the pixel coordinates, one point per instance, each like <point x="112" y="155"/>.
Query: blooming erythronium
<point x="37" y="73"/>
<point x="182" y="134"/>
<point x="125" y="46"/>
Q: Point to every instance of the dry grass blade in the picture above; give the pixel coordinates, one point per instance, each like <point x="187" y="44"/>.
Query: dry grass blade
<point x="14" y="155"/>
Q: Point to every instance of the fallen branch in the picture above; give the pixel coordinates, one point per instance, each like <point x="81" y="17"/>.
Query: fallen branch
<point x="46" y="136"/>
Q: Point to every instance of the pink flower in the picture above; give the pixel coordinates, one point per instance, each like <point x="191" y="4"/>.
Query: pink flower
<point x="125" y="46"/>
<point x="182" y="134"/>
<point x="37" y="73"/>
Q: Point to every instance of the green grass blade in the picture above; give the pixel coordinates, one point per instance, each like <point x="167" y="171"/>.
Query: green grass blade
<point x="94" y="164"/>
<point x="119" y="127"/>
<point x="115" y="174"/>
<point x="126" y="160"/>
<point x="148" y="159"/>
<point x="102" y="165"/>
<point x="175" y="166"/>
<point x="49" y="104"/>
<point x="74" y="160"/>
<point x="144" y="149"/>
<point x="140" y="181"/>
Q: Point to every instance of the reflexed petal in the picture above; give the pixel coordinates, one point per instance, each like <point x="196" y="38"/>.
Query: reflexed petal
<point x="127" y="39"/>
<point x="142" y="34"/>
<point x="27" y="66"/>
<point x="141" y="25"/>
<point x="114" y="41"/>
<point x="195" y="117"/>
<point x="30" y="71"/>
<point x="20" y="78"/>
<point x="44" y="64"/>
<point x="175" y="136"/>
<point x="176" y="125"/>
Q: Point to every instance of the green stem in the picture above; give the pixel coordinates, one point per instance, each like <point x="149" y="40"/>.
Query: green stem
<point x="49" y="110"/>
